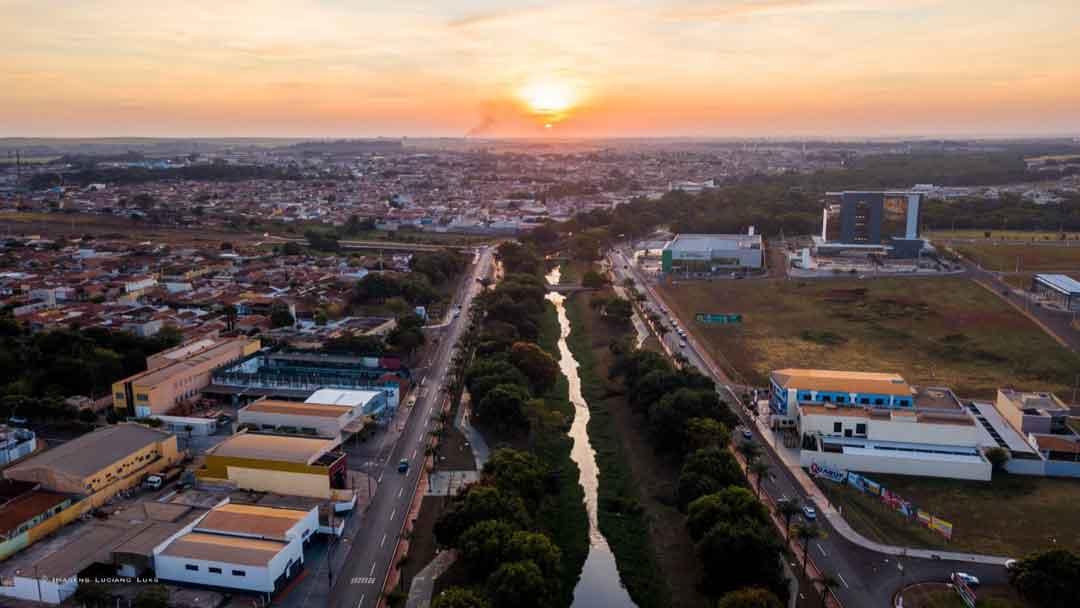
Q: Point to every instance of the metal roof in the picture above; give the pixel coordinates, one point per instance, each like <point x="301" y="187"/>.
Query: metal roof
<point x="1063" y="283"/>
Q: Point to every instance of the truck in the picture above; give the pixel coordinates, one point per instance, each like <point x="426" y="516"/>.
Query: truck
<point x="158" y="480"/>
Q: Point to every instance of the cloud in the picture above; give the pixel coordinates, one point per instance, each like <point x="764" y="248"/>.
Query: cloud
<point x="727" y="10"/>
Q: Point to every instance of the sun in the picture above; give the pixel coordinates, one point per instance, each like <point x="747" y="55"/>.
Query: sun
<point x="548" y="97"/>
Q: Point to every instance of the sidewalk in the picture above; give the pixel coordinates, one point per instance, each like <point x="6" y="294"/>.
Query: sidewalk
<point x="790" y="459"/>
<point x="423" y="584"/>
<point x="476" y="441"/>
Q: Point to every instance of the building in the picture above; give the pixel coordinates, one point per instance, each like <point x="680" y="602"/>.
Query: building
<point x="285" y="464"/>
<point x="872" y="222"/>
<point x="705" y="254"/>
<point x="1058" y="289"/>
<point x="311" y="418"/>
<point x="247" y="547"/>
<point x="877" y="422"/>
<point x="296" y="375"/>
<point x="15" y="443"/>
<point x="179" y="374"/>
<point x="1040" y="413"/>
<point x="100" y="464"/>
<point x="24" y="510"/>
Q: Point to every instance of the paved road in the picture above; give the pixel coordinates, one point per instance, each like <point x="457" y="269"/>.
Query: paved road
<point x="359" y="582"/>
<point x="867" y="577"/>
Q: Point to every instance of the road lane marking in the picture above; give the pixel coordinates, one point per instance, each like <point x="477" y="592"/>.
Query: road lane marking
<point x="400" y="492"/>
<point x="372" y="573"/>
<point x="379" y="480"/>
<point x="414" y="453"/>
<point x="383" y="541"/>
<point x="820" y="548"/>
<point x="392" y="514"/>
<point x="362" y="596"/>
<point x="841" y="577"/>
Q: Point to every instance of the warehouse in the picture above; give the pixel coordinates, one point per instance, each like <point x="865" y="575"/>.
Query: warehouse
<point x="101" y="463"/>
<point x="246" y="547"/>
<point x="284" y="464"/>
<point x="317" y="419"/>
<point x="708" y="254"/>
<point x="1060" y="290"/>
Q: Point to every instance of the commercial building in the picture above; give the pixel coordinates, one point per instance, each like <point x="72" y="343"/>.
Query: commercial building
<point x="1059" y="289"/>
<point x="705" y="254"/>
<point x="24" y="508"/>
<point x="15" y="443"/>
<point x="247" y="547"/>
<point x="877" y="422"/>
<point x="872" y="222"/>
<point x="284" y="464"/>
<point x="180" y="374"/>
<point x="299" y="374"/>
<point x="324" y="420"/>
<point x="100" y="464"/>
<point x="1033" y="412"/>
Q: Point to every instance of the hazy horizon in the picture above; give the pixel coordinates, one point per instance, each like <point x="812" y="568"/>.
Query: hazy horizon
<point x="736" y="69"/>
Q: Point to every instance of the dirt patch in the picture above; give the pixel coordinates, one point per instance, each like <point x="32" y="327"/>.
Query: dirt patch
<point x="454" y="452"/>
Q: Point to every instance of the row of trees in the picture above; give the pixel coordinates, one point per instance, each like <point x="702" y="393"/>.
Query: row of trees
<point x="430" y="270"/>
<point x="735" y="540"/>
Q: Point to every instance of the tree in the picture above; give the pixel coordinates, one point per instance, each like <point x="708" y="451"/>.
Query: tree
<point x="516" y="473"/>
<point x="483" y="546"/>
<point x="998" y="457"/>
<point x="753" y="597"/>
<point x="520" y="584"/>
<point x="806" y="532"/>
<point x="541" y="368"/>
<point x="704" y="433"/>
<point x="828" y="583"/>
<point x="732" y="504"/>
<point x="740" y="554"/>
<point x="707" y="471"/>
<point x="750" y="451"/>
<point x="377" y="287"/>
<point x="593" y="280"/>
<point x="291" y="248"/>
<point x="155" y="596"/>
<point x="476" y="504"/>
<point x="459" y="597"/>
<point x="536" y="548"/>
<point x="280" y="315"/>
<point x="1050" y="579"/>
<point x="504" y="406"/>
<point x="788" y="509"/>
<point x="759" y="469"/>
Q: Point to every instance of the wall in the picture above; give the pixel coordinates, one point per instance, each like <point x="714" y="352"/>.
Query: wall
<point x="281" y="482"/>
<point x="255" y="578"/>
<point x="325" y="427"/>
<point x="874" y="464"/>
<point x="891" y="430"/>
<point x="52" y="592"/>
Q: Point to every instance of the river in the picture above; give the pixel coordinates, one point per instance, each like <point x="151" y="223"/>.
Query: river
<point x="599" y="584"/>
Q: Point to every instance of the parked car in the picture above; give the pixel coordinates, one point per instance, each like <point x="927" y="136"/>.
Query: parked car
<point x="17" y="420"/>
<point x="968" y="579"/>
<point x="403" y="465"/>
<point x="810" y="513"/>
<point x="1011" y="564"/>
<point x="682" y="344"/>
<point x="747" y="433"/>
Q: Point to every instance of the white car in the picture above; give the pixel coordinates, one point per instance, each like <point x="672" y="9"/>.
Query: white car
<point x="810" y="513"/>
<point x="968" y="579"/>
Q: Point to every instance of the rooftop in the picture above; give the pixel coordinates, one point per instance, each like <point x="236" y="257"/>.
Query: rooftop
<point x="842" y="381"/>
<point x="1047" y="402"/>
<point x="86" y="455"/>
<point x="342" y="397"/>
<point x="164" y="374"/>
<point x="27" y="507"/>
<point x="251" y="520"/>
<point x="708" y="242"/>
<point x="291" y="408"/>
<point x="302" y="450"/>
<point x="224" y="549"/>
<point x="1060" y="282"/>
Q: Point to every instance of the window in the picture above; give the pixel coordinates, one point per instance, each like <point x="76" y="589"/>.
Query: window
<point x="119" y="396"/>
<point x="841" y="399"/>
<point x="879" y="401"/>
<point x="860" y="429"/>
<point x="239" y="573"/>
<point x="864" y="400"/>
<point x="826" y="398"/>
<point x="142" y="397"/>
<point x="191" y="567"/>
<point x="214" y="570"/>
<point x="837" y="427"/>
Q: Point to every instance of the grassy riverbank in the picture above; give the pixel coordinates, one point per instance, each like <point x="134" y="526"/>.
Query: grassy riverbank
<point x="564" y="516"/>
<point x="621" y="514"/>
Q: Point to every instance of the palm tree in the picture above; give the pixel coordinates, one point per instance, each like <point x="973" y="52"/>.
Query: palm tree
<point x="806" y="532"/>
<point x="759" y="469"/>
<point x="827" y="585"/>
<point x="788" y="509"/>
<point x="749" y="450"/>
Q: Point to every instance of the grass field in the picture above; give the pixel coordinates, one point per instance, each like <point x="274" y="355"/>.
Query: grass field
<point x="1006" y="258"/>
<point x="936" y="331"/>
<point x="1006" y="235"/>
<point x="1010" y="516"/>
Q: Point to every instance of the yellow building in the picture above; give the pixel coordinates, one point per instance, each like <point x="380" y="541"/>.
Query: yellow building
<point x="179" y="377"/>
<point x="101" y="463"/>
<point x="283" y="464"/>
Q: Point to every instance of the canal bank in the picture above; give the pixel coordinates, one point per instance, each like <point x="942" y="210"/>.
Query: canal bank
<point x="600" y="583"/>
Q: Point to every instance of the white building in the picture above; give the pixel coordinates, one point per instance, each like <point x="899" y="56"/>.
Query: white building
<point x="875" y="422"/>
<point x="319" y="419"/>
<point x="695" y="254"/>
<point x="246" y="547"/>
<point x="368" y="403"/>
<point x="15" y="443"/>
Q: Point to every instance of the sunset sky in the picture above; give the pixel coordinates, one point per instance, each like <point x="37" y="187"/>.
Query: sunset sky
<point x="338" y="68"/>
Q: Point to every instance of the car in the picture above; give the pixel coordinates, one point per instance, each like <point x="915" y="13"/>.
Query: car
<point x="810" y="513"/>
<point x="968" y="579"/>
<point x="403" y="465"/>
<point x="1011" y="564"/>
<point x="17" y="420"/>
<point x="747" y="433"/>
